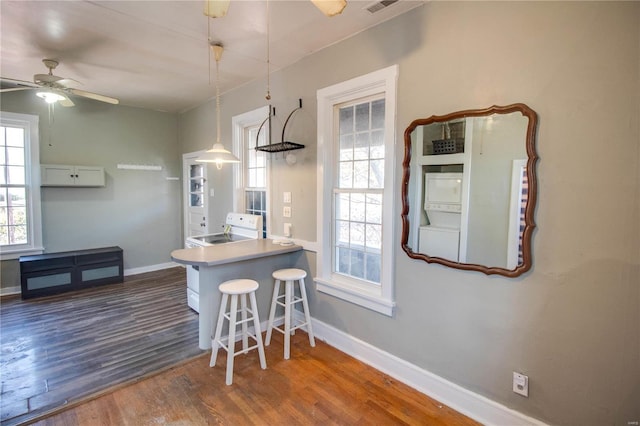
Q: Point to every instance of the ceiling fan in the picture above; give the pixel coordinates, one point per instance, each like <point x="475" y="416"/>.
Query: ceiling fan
<point x="54" y="89"/>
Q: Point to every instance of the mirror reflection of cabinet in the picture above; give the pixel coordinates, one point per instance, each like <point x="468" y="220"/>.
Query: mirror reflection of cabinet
<point x="469" y="189"/>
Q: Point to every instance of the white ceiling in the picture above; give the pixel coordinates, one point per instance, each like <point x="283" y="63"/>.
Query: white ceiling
<point x="155" y="54"/>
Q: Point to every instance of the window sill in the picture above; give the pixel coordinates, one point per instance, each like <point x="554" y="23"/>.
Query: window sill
<point x="16" y="253"/>
<point x="356" y="294"/>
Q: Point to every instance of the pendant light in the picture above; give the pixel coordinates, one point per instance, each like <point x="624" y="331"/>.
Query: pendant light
<point x="216" y="8"/>
<point x="217" y="154"/>
<point x="330" y="7"/>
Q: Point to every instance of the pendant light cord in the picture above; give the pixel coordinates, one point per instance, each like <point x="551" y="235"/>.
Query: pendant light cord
<point x="268" y="97"/>
<point x="217" y="101"/>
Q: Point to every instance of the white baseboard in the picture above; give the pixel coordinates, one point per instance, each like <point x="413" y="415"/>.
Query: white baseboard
<point x="6" y="291"/>
<point x="476" y="406"/>
<point x="150" y="268"/>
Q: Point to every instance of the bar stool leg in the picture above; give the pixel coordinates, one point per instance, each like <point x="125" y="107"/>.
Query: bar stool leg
<point x="245" y="333"/>
<point x="233" y="312"/>
<point x="307" y="316"/>
<point x="272" y="312"/>
<point x="258" y="332"/>
<point x="216" y="338"/>
<point x="287" y="317"/>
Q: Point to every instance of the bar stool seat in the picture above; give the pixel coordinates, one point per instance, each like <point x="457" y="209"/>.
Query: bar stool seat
<point x="290" y="276"/>
<point x="235" y="288"/>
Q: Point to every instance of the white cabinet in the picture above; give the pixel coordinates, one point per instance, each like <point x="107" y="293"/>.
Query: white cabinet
<point x="65" y="175"/>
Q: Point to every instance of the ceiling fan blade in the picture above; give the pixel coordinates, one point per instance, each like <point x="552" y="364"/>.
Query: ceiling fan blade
<point x="66" y="102"/>
<point x="95" y="96"/>
<point x="15" y="89"/>
<point x="13" y="81"/>
<point x="68" y="82"/>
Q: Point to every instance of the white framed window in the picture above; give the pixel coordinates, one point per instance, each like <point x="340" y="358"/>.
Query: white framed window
<point x="356" y="146"/>
<point x="251" y="178"/>
<point x="20" y="215"/>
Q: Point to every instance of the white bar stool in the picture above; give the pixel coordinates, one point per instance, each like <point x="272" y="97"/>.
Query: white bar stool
<point x="235" y="288"/>
<point x="290" y="276"/>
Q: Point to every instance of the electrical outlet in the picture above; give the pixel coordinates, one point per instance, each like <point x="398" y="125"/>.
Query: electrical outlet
<point x="521" y="384"/>
<point x="286" y="211"/>
<point x="286" y="197"/>
<point x="287" y="230"/>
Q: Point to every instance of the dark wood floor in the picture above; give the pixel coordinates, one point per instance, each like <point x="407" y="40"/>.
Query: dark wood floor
<point x="59" y="349"/>
<point x="101" y="373"/>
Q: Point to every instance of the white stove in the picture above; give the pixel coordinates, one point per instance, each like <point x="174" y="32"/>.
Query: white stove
<point x="238" y="227"/>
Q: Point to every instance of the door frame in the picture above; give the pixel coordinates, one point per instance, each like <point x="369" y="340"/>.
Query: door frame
<point x="187" y="160"/>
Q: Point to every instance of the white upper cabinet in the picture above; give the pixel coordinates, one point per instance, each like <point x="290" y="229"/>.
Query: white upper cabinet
<point x="65" y="175"/>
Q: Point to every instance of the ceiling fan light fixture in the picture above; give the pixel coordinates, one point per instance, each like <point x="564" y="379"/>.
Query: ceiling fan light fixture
<point x="216" y="8"/>
<point x="50" y="97"/>
<point x="330" y="7"/>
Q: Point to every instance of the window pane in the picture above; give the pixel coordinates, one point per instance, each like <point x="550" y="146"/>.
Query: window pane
<point x="260" y="183"/>
<point x="346" y="120"/>
<point x="3" y="216"/>
<point x="17" y="197"/>
<point x="357" y="212"/>
<point x="346" y="175"/>
<point x="3" y="175"/>
<point x="343" y="256"/>
<point x="362" y="117"/>
<point x="376" y="175"/>
<point x="373" y="267"/>
<point x="357" y="264"/>
<point x="377" y="144"/>
<point x="361" y="150"/>
<point x="342" y="206"/>
<point x="17" y="215"/>
<point x="4" y="235"/>
<point x="15" y="137"/>
<point x="2" y="156"/>
<point x="356" y="234"/>
<point x="16" y="175"/>
<point x="374" y="208"/>
<point x="361" y="174"/>
<point x="374" y="236"/>
<point x="18" y="234"/>
<point x="342" y="232"/>
<point x="377" y="114"/>
<point x="346" y="147"/>
<point x="15" y="156"/>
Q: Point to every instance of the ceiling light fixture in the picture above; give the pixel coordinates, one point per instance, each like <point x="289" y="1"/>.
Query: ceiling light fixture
<point x="217" y="154"/>
<point x="50" y="97"/>
<point x="216" y="8"/>
<point x="330" y="7"/>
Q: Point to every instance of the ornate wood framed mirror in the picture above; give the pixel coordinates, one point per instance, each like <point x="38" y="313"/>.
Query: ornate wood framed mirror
<point x="469" y="189"/>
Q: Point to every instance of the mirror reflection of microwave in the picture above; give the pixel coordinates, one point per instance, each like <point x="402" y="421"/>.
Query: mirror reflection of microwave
<point x="443" y="192"/>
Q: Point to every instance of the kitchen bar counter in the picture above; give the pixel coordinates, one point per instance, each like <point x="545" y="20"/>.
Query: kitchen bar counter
<point x="231" y="252"/>
<point x="250" y="259"/>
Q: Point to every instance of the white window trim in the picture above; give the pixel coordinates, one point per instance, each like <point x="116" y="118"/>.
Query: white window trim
<point x="30" y="124"/>
<point x="379" y="298"/>
<point x="238" y="124"/>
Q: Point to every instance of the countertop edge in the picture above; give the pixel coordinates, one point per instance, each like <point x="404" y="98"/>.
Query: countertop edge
<point x="214" y="253"/>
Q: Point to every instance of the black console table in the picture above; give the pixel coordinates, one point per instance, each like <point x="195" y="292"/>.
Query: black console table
<point x="52" y="273"/>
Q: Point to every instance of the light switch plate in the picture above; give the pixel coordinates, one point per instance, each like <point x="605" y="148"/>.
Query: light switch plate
<point x="286" y="211"/>
<point x="286" y="197"/>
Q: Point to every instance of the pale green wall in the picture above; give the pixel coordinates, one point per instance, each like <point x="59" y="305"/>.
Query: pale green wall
<point x="140" y="211"/>
<point x="572" y="323"/>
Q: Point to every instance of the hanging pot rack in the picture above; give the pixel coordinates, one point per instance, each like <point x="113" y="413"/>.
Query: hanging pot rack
<point x="283" y="145"/>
